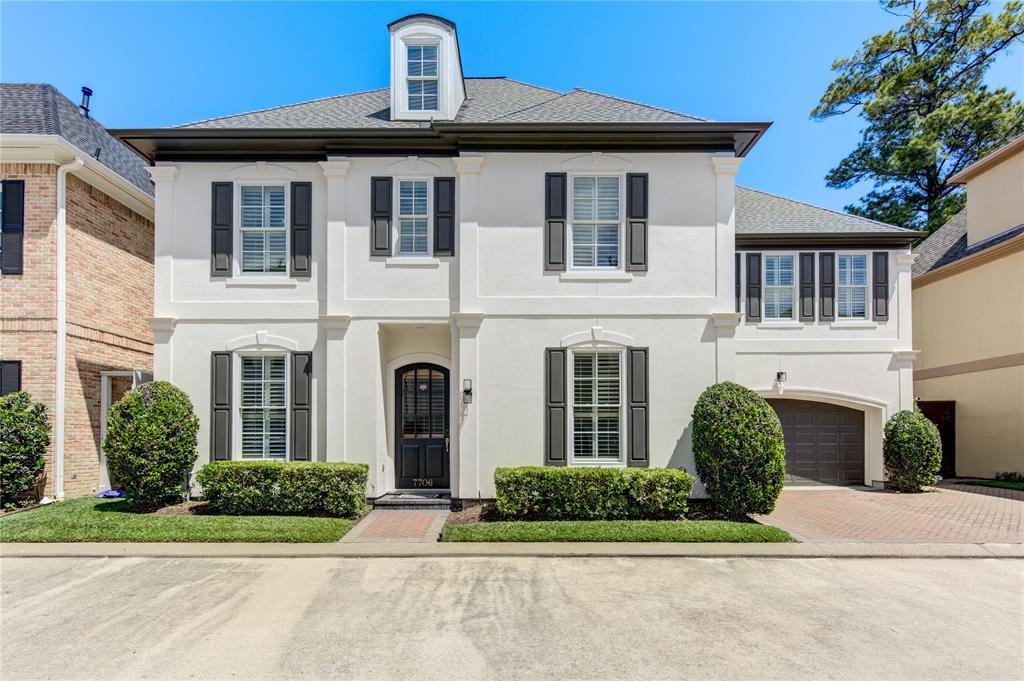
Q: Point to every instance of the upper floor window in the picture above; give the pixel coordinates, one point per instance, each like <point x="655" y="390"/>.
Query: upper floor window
<point x="413" y="217"/>
<point x="263" y="409"/>
<point x="422" y="78"/>
<point x="778" y="287"/>
<point x="596" y="406"/>
<point x="595" y="222"/>
<point x="852" y="287"/>
<point x="264" y="237"/>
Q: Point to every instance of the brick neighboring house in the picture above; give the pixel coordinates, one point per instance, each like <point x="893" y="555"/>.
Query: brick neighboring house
<point x="62" y="172"/>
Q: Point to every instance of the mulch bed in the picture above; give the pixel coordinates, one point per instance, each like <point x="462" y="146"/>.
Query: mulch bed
<point x="186" y="508"/>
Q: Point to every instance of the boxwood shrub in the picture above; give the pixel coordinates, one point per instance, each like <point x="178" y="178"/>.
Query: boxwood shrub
<point x="547" y="493"/>
<point x="912" y="451"/>
<point x="24" y="437"/>
<point x="280" y="488"/>
<point x="738" y="449"/>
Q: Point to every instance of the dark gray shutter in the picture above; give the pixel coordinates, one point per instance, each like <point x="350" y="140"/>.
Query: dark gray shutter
<point x="754" y="287"/>
<point x="10" y="376"/>
<point x="807" y="287"/>
<point x="636" y="222"/>
<point x="555" y="215"/>
<point x="639" y="415"/>
<point x="301" y="406"/>
<point x="737" y="275"/>
<point x="222" y="212"/>
<point x="880" y="285"/>
<point x="444" y="216"/>
<point x="220" y="406"/>
<point x="827" y="287"/>
<point x="302" y="229"/>
<point x="555" y="407"/>
<point x="13" y="226"/>
<point x="380" y="215"/>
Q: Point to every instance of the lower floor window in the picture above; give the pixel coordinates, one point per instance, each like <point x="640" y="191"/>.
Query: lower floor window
<point x="596" y="406"/>
<point x="263" y="410"/>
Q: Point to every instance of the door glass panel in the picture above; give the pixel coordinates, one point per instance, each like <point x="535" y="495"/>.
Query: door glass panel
<point x="422" y="403"/>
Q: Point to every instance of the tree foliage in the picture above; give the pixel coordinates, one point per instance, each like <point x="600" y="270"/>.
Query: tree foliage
<point x="929" y="115"/>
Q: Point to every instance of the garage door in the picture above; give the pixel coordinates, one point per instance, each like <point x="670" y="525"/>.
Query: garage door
<point x="824" y="442"/>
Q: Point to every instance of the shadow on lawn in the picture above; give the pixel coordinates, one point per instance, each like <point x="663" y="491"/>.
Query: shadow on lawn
<point x="126" y="506"/>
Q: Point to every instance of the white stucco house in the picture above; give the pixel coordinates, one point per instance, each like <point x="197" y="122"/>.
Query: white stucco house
<point x="452" y="274"/>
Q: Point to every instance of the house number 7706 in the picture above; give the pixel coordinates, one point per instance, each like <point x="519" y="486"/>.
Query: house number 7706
<point x="422" y="482"/>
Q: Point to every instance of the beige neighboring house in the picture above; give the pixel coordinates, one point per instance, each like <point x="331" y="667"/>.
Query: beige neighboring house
<point x="76" y="283"/>
<point x="968" y="302"/>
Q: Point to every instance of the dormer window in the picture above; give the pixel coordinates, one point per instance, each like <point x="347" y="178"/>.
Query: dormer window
<point x="421" y="81"/>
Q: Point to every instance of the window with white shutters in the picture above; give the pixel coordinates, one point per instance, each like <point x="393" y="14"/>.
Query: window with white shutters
<point x="595" y="222"/>
<point x="596" y="406"/>
<point x="263" y="407"/>
<point x="779" y="281"/>
<point x="264" y="237"/>
<point x="852" y="287"/>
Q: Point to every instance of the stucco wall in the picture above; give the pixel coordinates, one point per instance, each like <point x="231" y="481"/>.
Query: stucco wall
<point x="996" y="199"/>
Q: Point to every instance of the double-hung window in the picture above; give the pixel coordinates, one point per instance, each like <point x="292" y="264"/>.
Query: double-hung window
<point x="596" y="406"/>
<point x="778" y="287"/>
<point x="852" y="287"/>
<point x="264" y="235"/>
<point x="263" y="407"/>
<point x="595" y="222"/>
<point x="413" y="217"/>
<point x="421" y="79"/>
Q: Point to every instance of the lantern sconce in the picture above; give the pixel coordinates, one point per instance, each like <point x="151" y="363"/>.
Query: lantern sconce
<point x="780" y="377"/>
<point x="467" y="391"/>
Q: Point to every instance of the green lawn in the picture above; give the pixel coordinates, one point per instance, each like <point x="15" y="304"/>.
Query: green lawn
<point x="108" y="520"/>
<point x="1001" y="484"/>
<point x="615" y="530"/>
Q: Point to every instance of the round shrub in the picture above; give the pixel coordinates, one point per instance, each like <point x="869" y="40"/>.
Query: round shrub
<point x="151" y="443"/>
<point x="738" y="449"/>
<point x="912" y="451"/>
<point x="24" y="437"/>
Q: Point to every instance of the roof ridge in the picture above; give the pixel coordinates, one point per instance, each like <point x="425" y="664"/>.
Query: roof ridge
<point x="830" y="210"/>
<point x="636" y="103"/>
<point x="279" y="106"/>
<point x="532" y="106"/>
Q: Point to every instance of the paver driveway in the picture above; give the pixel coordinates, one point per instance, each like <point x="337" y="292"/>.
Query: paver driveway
<point x="859" y="514"/>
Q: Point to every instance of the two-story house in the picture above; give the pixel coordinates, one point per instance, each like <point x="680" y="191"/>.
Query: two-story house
<point x="453" y="274"/>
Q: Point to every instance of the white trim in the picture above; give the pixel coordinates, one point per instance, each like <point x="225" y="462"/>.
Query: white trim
<point x="597" y="336"/>
<point x="595" y="462"/>
<point x="397" y="222"/>
<point x="781" y="323"/>
<point x="410" y="260"/>
<point x="236" y="268"/>
<point x="261" y="172"/>
<point x="236" y="400"/>
<point x="412" y="168"/>
<point x="620" y="230"/>
<point x="793" y="321"/>
<point x="853" y="323"/>
<point x="868" y="296"/>
<point x="829" y="396"/>
<point x="597" y="162"/>
<point x="267" y="280"/>
<point x="261" y="341"/>
<point x="595" y="275"/>
<point x="390" y="417"/>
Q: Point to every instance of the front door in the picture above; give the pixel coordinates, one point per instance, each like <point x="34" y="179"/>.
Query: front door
<point x="943" y="415"/>
<point x="421" y="427"/>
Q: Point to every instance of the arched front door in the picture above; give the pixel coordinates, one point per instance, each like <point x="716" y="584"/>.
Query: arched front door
<point x="421" y="427"/>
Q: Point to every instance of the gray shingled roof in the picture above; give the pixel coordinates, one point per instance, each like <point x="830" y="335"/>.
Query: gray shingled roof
<point x="759" y="212"/>
<point x="40" y="109"/>
<point x="949" y="244"/>
<point x="488" y="100"/>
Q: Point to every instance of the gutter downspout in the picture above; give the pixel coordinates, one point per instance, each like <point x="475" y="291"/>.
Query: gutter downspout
<point x="62" y="315"/>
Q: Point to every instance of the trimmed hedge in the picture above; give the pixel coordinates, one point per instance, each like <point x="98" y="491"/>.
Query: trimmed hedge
<point x="280" y="488"/>
<point x="738" y="449"/>
<point x="24" y="437"/>
<point x="912" y="451"/>
<point x="548" y="493"/>
<point x="151" y="444"/>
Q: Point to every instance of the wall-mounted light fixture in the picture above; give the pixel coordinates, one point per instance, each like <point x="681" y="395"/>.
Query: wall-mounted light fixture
<point x="780" y="377"/>
<point x="467" y="391"/>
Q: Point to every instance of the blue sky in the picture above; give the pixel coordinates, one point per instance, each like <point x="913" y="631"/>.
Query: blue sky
<point x="159" y="64"/>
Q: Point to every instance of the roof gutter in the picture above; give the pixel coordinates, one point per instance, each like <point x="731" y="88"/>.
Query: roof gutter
<point x="827" y="239"/>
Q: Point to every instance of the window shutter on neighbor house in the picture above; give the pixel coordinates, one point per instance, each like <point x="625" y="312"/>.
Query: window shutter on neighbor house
<point x="555" y="411"/>
<point x="827" y="287"/>
<point x="555" y="216"/>
<point x="807" y="287"/>
<point x="444" y="216"/>
<point x="639" y="415"/>
<point x="380" y="215"/>
<point x="302" y="229"/>
<point x="301" y="406"/>
<point x="880" y="285"/>
<point x="222" y="223"/>
<point x="10" y="376"/>
<point x="754" y="287"/>
<point x="13" y="226"/>
<point x="220" y="406"/>
<point x="636" y="222"/>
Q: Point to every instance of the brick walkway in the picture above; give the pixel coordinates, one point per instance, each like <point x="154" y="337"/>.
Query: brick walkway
<point x="943" y="515"/>
<point x="398" y="526"/>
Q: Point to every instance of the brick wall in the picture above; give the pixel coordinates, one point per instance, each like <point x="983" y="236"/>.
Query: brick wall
<point x="110" y="295"/>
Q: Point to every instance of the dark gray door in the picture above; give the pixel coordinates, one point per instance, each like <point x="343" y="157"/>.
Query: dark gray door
<point x="421" y="427"/>
<point x="824" y="442"/>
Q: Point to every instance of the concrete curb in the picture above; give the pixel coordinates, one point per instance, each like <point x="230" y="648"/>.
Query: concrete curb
<point x="536" y="550"/>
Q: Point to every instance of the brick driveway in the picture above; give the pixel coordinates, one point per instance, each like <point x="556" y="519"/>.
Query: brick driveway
<point x="858" y="514"/>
